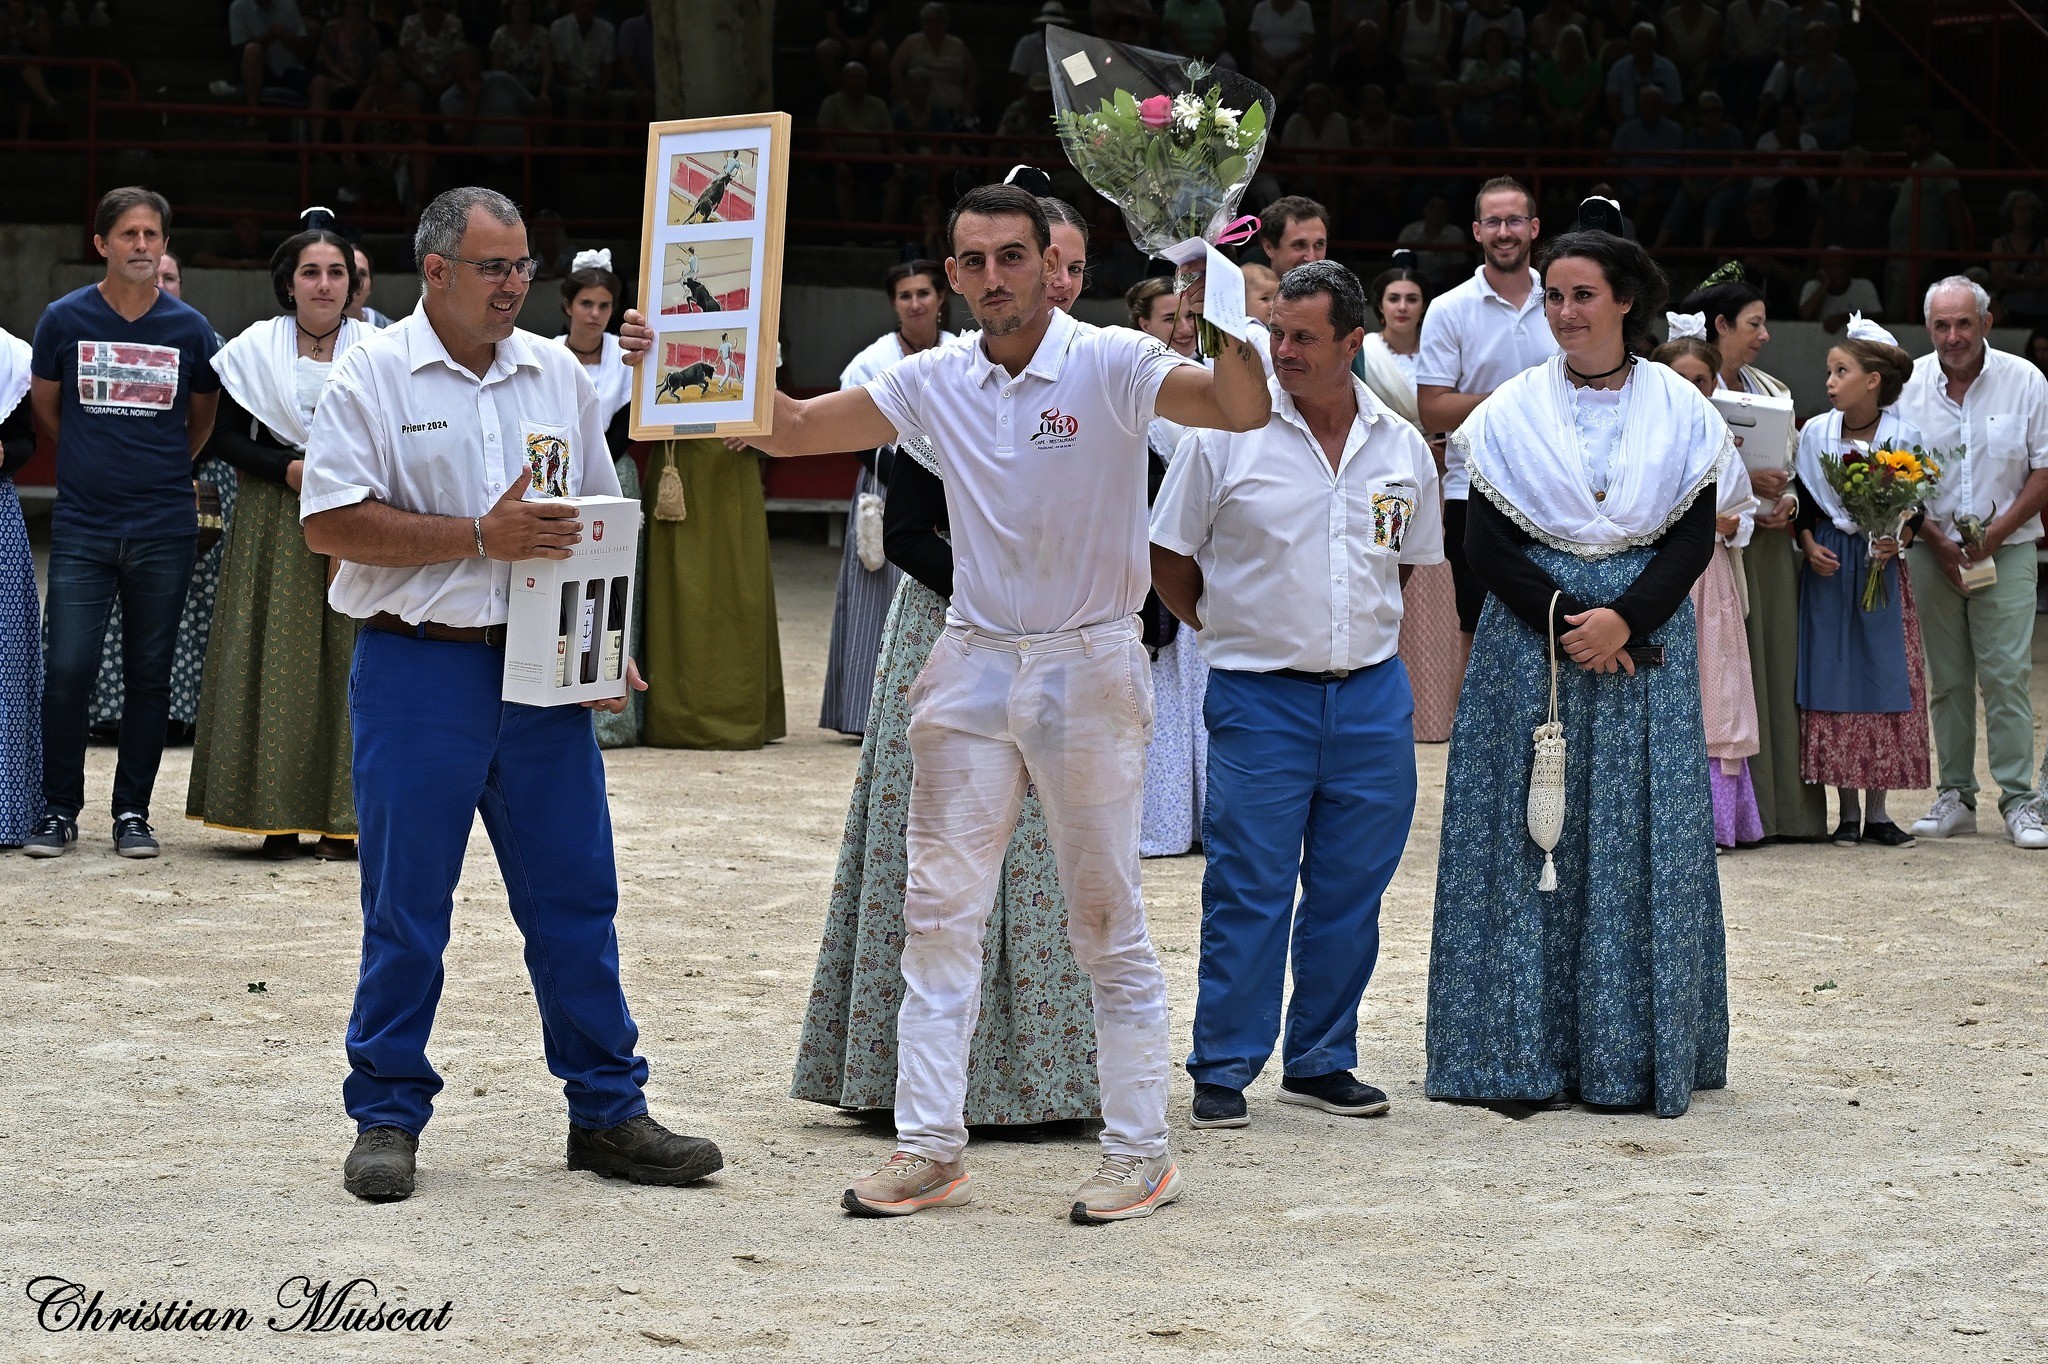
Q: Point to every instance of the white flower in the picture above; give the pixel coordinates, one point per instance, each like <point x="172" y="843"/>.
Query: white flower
<point x="1226" y="118"/>
<point x="1187" y="111"/>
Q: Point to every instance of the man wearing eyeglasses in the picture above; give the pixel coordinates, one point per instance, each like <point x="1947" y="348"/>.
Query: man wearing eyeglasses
<point x="418" y="482"/>
<point x="1475" y="338"/>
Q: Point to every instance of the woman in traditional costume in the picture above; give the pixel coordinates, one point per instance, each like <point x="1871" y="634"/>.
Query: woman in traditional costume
<point x="1790" y="809"/>
<point x="1862" y="676"/>
<point x="591" y="296"/>
<point x="867" y="581"/>
<point x="21" y="614"/>
<point x="1727" y="692"/>
<point x="272" y="751"/>
<point x="1600" y="975"/>
<point x="1431" y="649"/>
<point x="1032" y="1058"/>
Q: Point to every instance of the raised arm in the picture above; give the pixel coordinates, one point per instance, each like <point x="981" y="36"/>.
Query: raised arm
<point x="1231" y="396"/>
<point x="846" y="420"/>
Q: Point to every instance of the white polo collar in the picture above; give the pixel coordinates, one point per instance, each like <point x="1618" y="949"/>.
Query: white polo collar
<point x="423" y="347"/>
<point x="1046" y="362"/>
<point x="1487" y="290"/>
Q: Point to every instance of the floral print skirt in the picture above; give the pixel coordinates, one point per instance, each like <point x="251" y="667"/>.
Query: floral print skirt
<point x="1614" y="985"/>
<point x="1032" y="1058"/>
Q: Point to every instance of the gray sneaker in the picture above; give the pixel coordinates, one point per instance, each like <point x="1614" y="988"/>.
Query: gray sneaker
<point x="52" y="837"/>
<point x="133" y="838"/>
<point x="1123" y="1187"/>
<point x="909" y="1183"/>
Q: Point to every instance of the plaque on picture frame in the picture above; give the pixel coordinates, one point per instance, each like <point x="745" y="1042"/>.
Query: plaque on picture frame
<point x="711" y="275"/>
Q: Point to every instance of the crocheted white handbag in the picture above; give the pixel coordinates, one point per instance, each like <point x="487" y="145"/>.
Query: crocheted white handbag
<point x="1546" y="773"/>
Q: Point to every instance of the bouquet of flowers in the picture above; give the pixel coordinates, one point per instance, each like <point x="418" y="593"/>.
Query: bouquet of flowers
<point x="1880" y="489"/>
<point x="1171" y="142"/>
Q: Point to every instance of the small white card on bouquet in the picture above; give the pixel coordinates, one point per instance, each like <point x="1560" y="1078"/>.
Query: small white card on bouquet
<point x="1223" y="285"/>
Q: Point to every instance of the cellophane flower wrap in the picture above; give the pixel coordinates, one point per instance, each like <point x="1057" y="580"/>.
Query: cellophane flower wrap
<point x="1170" y="141"/>
<point x="1881" y="489"/>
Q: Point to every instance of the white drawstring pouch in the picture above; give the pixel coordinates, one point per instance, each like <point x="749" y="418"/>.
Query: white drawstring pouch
<point x="1546" y="773"/>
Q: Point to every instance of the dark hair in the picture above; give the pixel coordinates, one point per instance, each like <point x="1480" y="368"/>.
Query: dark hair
<point x="1699" y="348"/>
<point x="116" y="202"/>
<point x="932" y="271"/>
<point x="592" y="277"/>
<point x="1496" y="186"/>
<point x="1628" y="270"/>
<point x="1721" y="302"/>
<point x="285" y="263"/>
<point x="1294" y="208"/>
<point x="1891" y="365"/>
<point x="1002" y="201"/>
<point x="1347" y="295"/>
<point x="1138" y="299"/>
<point x="1399" y="274"/>
<point x="1060" y="211"/>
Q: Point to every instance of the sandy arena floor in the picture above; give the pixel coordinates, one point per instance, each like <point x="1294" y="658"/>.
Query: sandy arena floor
<point x="1869" y="1186"/>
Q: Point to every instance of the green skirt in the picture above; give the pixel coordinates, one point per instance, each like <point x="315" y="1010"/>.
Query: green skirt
<point x="272" y="751"/>
<point x="713" y="660"/>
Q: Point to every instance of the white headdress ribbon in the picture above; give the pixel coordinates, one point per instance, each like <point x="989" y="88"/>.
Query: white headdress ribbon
<point x="1685" y="325"/>
<point x="600" y="259"/>
<point x="1860" y="329"/>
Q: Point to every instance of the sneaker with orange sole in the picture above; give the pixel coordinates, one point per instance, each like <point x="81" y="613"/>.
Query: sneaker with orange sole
<point x="1124" y="1187"/>
<point x="909" y="1183"/>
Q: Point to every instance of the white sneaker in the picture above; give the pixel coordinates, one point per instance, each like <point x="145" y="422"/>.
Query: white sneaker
<point x="2023" y="827"/>
<point x="1947" y="818"/>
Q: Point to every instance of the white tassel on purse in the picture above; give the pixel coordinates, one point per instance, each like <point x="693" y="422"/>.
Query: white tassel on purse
<point x="1546" y="773"/>
<point x="867" y="531"/>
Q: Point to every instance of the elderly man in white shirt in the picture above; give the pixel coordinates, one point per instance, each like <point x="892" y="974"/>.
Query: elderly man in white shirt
<point x="1287" y="547"/>
<point x="417" y="479"/>
<point x="1475" y="338"/>
<point x="1985" y="413"/>
<point x="1041" y="677"/>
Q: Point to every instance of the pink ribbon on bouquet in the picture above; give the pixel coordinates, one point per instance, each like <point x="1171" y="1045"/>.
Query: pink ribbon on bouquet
<point x="1243" y="230"/>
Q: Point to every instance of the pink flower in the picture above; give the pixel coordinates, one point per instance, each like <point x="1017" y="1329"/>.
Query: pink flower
<point x="1155" y="112"/>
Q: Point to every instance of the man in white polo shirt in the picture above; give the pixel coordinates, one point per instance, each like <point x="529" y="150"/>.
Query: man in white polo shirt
<point x="1475" y="338"/>
<point x="1041" y="677"/>
<point x="417" y="471"/>
<point x="1986" y="414"/>
<point x="1287" y="547"/>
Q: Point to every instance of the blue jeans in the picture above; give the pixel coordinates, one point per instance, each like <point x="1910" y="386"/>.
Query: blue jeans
<point x="1309" y="782"/>
<point x="87" y="572"/>
<point x="434" y="746"/>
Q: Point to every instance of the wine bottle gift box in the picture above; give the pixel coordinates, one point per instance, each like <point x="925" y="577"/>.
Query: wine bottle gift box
<point x="565" y="640"/>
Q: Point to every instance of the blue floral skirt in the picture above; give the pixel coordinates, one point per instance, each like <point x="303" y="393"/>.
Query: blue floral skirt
<point x="21" y="677"/>
<point x="1614" y="985"/>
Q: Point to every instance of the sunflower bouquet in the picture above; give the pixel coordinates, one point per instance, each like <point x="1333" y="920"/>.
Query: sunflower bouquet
<point x="1881" y="489"/>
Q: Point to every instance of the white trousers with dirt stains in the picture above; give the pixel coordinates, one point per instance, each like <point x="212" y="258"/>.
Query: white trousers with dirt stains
<point x="1070" y="712"/>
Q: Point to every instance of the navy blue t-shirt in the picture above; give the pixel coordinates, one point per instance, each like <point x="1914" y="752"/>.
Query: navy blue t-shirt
<point x="124" y="464"/>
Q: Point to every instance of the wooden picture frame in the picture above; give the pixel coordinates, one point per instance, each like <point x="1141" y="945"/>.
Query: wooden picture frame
<point x="711" y="240"/>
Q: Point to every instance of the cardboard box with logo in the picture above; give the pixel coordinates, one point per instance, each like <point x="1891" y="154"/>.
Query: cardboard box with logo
<point x="565" y="639"/>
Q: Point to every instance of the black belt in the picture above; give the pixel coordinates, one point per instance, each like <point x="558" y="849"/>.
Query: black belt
<point x="1323" y="678"/>
<point x="493" y="635"/>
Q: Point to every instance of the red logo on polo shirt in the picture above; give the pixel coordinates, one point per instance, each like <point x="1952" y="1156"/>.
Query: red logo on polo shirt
<point x="529" y="582"/>
<point x="1056" y="429"/>
<point x="597" y="530"/>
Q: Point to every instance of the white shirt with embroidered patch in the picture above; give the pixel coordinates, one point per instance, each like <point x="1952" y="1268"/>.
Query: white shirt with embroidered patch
<point x="1473" y="341"/>
<point x="1301" y="563"/>
<point x="2000" y="430"/>
<point x="1044" y="470"/>
<point x="401" y="422"/>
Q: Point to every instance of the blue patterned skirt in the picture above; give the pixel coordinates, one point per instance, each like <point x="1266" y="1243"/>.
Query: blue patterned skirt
<point x="21" y="677"/>
<point x="1615" y="984"/>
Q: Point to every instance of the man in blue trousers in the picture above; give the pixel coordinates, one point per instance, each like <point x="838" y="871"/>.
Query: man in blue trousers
<point x="416" y="479"/>
<point x="1287" y="548"/>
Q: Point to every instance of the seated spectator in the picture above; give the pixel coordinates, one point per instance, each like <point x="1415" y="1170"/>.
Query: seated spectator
<point x="1836" y="290"/>
<point x="1440" y="245"/>
<point x="1823" y="86"/>
<point x="1806" y="12"/>
<point x="636" y="63"/>
<point x="1928" y="213"/>
<point x="1123" y="21"/>
<point x="1752" y="41"/>
<point x="272" y="41"/>
<point x="1027" y="58"/>
<point x="1443" y="126"/>
<point x="1779" y="276"/>
<point x="1347" y="15"/>
<point x="1492" y="72"/>
<point x="1692" y="39"/>
<point x="1648" y="140"/>
<point x="1376" y="129"/>
<point x="1029" y="115"/>
<point x="1569" y="86"/>
<point x="1856" y="211"/>
<point x="245" y="249"/>
<point x="485" y="153"/>
<point x="342" y="63"/>
<point x="1643" y="65"/>
<point x="915" y="111"/>
<point x="853" y="109"/>
<point x="1362" y="59"/>
<point x="25" y="32"/>
<point x="2021" y="285"/>
<point x="1701" y="194"/>
<point x="1549" y="22"/>
<point x="1493" y="16"/>
<point x="525" y="51"/>
<point x="548" y="240"/>
<point x="586" y="53"/>
<point x="2036" y="351"/>
<point x="1316" y="125"/>
<point x="1283" y="38"/>
<point x="410" y="170"/>
<point x="1795" y="193"/>
<point x="426" y="47"/>
<point x="1422" y="41"/>
<point x="944" y="62"/>
<point x="1509" y="128"/>
<point x="1613" y="24"/>
<point x="853" y="33"/>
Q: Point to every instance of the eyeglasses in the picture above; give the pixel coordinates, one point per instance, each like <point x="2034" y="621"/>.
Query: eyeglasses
<point x="496" y="269"/>
<point x="1514" y="224"/>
